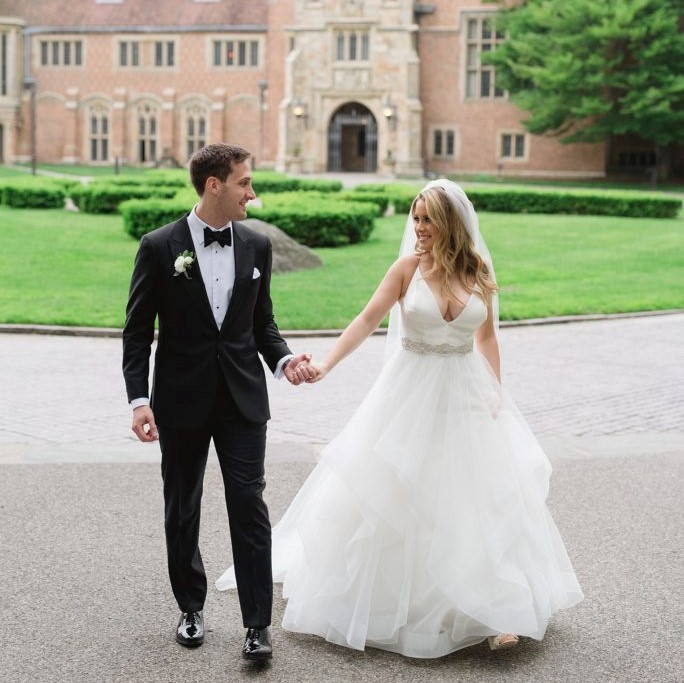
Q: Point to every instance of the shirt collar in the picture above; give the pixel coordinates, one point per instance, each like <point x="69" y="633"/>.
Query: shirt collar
<point x="197" y="225"/>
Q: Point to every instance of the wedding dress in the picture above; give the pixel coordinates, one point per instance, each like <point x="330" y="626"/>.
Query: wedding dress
<point x="424" y="529"/>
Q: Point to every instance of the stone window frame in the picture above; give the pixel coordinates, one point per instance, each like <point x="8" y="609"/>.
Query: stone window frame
<point x="476" y="40"/>
<point x="246" y="49"/>
<point x="133" y="51"/>
<point x="192" y="137"/>
<point x="447" y="135"/>
<point x="516" y="139"/>
<point x="164" y="53"/>
<point x="98" y="130"/>
<point x="147" y="123"/>
<point x="351" y="44"/>
<point x="61" y="53"/>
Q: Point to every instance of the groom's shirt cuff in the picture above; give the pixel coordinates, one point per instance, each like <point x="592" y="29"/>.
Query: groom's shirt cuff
<point x="279" y="368"/>
<point x="137" y="402"/>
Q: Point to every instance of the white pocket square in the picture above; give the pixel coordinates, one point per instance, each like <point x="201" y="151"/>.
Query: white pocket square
<point x="256" y="274"/>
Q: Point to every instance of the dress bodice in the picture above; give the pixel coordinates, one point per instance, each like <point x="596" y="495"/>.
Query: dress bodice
<point x="422" y="321"/>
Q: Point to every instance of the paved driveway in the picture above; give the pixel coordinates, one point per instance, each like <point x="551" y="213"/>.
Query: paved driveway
<point x="83" y="588"/>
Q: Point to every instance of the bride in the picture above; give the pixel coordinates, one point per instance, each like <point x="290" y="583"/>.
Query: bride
<point x="424" y="528"/>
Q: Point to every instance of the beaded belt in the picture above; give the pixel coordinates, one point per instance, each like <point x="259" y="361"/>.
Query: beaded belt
<point x="426" y="349"/>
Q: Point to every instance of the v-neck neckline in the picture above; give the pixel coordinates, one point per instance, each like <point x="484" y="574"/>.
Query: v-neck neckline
<point x="436" y="301"/>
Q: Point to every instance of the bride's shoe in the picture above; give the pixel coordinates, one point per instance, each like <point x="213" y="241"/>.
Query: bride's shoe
<point x="502" y="642"/>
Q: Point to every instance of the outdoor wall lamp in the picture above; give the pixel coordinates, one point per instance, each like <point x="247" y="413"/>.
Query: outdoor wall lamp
<point x="263" y="86"/>
<point x="389" y="111"/>
<point x="300" y="110"/>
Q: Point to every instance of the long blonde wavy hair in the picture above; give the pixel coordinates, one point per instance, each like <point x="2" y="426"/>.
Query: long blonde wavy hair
<point x="453" y="251"/>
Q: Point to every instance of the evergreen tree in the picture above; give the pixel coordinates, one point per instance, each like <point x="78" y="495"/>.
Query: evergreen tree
<point x="586" y="70"/>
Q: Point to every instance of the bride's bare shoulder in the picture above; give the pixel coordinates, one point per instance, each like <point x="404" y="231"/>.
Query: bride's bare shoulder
<point x="407" y="264"/>
<point x="404" y="268"/>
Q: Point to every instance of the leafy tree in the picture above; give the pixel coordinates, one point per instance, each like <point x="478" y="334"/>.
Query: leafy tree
<point x="590" y="69"/>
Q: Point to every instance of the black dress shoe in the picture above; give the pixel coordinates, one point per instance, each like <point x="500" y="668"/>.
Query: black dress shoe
<point x="258" y="644"/>
<point x="190" y="630"/>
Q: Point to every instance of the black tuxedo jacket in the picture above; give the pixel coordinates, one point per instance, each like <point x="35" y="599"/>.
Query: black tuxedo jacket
<point x="191" y="350"/>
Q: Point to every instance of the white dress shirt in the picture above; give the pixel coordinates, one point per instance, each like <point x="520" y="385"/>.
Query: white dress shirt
<point x="217" y="264"/>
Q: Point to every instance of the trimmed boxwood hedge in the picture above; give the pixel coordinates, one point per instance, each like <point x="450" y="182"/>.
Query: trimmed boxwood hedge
<point x="264" y="181"/>
<point x="105" y="197"/>
<point x="33" y="193"/>
<point x="513" y="200"/>
<point x="314" y="219"/>
<point x="153" y="177"/>
<point x="317" y="185"/>
<point x="141" y="216"/>
<point x="380" y="199"/>
<point x="270" y="182"/>
<point x="317" y="220"/>
<point x="581" y="202"/>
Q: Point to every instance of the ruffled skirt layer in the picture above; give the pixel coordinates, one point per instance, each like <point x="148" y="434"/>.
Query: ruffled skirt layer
<point x="424" y="528"/>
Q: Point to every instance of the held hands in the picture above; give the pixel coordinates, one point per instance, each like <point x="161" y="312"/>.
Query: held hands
<point x="144" y="417"/>
<point x="318" y="370"/>
<point x="300" y="369"/>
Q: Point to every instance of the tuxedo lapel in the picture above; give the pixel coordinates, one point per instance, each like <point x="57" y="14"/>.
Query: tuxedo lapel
<point x="244" y="268"/>
<point x="179" y="242"/>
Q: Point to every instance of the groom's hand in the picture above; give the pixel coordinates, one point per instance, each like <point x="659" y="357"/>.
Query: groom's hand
<point x="297" y="370"/>
<point x="143" y="418"/>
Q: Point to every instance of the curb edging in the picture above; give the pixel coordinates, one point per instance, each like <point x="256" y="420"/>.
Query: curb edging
<point x="116" y="333"/>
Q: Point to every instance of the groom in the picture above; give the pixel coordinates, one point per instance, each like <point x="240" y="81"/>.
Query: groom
<point x="206" y="279"/>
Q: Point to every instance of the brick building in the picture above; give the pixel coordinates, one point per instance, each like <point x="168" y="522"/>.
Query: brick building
<point x="310" y="85"/>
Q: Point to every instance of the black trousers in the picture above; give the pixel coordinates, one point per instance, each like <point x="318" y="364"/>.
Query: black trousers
<point x="241" y="447"/>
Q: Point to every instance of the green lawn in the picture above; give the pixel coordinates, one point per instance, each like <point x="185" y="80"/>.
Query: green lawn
<point x="73" y="269"/>
<point x="9" y="172"/>
<point x="84" y="170"/>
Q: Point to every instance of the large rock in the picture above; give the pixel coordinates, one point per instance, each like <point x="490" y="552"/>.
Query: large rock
<point x="288" y="255"/>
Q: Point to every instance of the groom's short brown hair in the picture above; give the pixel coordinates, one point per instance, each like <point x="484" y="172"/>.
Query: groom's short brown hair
<point x="214" y="161"/>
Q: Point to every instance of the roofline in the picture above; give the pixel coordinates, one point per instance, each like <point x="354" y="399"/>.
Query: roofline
<point x="199" y="28"/>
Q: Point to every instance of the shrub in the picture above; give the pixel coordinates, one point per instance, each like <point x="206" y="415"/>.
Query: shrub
<point x="513" y="200"/>
<point x="319" y="185"/>
<point x="33" y="193"/>
<point x="270" y="182"/>
<point x="141" y="216"/>
<point x="311" y="218"/>
<point x="105" y="198"/>
<point x="154" y="177"/>
<point x="581" y="202"/>
<point x="399" y="195"/>
<point x="317" y="220"/>
<point x="380" y="199"/>
<point x="166" y="176"/>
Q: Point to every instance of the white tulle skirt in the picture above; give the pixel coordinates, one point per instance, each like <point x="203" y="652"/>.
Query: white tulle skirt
<point x="424" y="528"/>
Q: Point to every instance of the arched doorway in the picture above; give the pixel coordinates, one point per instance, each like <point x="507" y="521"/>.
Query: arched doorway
<point x="353" y="140"/>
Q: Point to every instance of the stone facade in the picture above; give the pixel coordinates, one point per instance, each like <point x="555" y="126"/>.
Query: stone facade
<point x="307" y="85"/>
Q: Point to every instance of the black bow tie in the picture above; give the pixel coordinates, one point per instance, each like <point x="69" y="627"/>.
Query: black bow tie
<point x="223" y="237"/>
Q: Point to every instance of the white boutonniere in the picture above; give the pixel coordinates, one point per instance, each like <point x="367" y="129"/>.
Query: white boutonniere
<point x="183" y="263"/>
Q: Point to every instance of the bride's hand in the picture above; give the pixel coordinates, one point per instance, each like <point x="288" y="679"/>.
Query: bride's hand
<point x="319" y="371"/>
